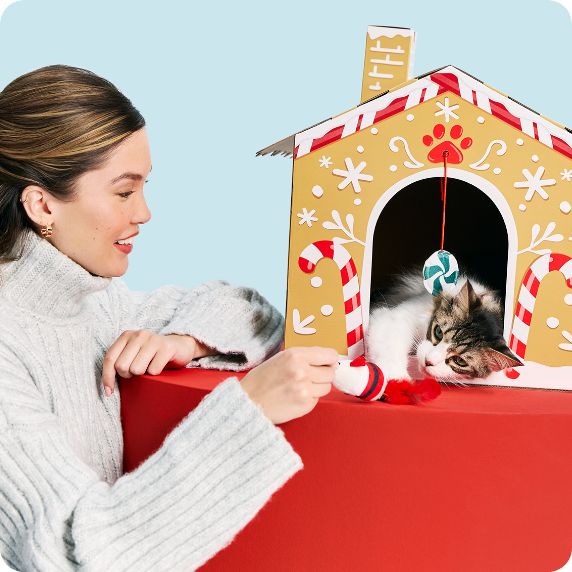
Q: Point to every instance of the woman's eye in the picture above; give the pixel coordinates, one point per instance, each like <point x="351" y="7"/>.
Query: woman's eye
<point x="459" y="361"/>
<point x="437" y="332"/>
<point x="125" y="195"/>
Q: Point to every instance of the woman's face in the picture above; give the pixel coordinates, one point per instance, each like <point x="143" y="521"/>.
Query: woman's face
<point x="110" y="206"/>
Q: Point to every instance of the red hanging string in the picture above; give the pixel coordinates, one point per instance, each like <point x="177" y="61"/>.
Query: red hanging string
<point x="444" y="196"/>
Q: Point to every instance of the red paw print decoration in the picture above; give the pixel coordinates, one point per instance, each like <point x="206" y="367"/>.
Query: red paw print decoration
<point x="435" y="155"/>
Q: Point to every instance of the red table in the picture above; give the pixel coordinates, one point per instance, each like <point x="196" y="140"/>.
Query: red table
<point x="478" y="480"/>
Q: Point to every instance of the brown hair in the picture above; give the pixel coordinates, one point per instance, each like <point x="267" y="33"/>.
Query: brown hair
<point x="56" y="123"/>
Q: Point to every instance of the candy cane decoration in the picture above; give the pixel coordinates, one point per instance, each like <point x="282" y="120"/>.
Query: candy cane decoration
<point x="530" y="284"/>
<point x="307" y="262"/>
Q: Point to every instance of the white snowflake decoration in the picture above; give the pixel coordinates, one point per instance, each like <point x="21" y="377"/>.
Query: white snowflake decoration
<point x="353" y="175"/>
<point x="307" y="217"/>
<point x="567" y="175"/>
<point x="447" y="111"/>
<point x="325" y="161"/>
<point x="534" y="184"/>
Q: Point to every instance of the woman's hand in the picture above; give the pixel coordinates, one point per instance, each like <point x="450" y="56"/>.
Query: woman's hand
<point x="289" y="384"/>
<point x="136" y="352"/>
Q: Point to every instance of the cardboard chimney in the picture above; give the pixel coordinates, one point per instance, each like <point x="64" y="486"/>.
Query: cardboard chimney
<point x="366" y="205"/>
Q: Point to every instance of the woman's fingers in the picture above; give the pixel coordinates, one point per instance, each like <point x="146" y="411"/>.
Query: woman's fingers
<point x="162" y="357"/>
<point x="131" y="354"/>
<point x="108" y="370"/>
<point x="145" y="355"/>
<point x="321" y="389"/>
<point x="322" y="374"/>
<point x="317" y="355"/>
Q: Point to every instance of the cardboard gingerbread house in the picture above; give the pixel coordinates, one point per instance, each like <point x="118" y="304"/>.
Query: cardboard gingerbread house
<point x="366" y="197"/>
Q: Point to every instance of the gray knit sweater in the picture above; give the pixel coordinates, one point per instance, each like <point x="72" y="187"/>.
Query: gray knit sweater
<point x="64" y="504"/>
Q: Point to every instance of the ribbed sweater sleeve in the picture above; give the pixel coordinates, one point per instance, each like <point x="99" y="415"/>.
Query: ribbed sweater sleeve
<point x="213" y="473"/>
<point x="237" y="322"/>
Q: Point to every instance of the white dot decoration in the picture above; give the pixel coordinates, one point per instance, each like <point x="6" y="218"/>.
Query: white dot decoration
<point x="497" y="170"/>
<point x="326" y="310"/>
<point x="317" y="191"/>
<point x="410" y="117"/>
<point x="568" y="299"/>
<point x="522" y="208"/>
<point x="393" y="168"/>
<point x="552" y="322"/>
<point x="480" y="119"/>
<point x="360" y="148"/>
<point x="535" y="158"/>
<point x="316" y="281"/>
<point x="565" y="207"/>
<point x="374" y="130"/>
<point x="357" y="202"/>
<point x="519" y="142"/>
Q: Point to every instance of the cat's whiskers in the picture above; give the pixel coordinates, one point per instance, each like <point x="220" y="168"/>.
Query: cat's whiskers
<point x="417" y="339"/>
<point x="455" y="381"/>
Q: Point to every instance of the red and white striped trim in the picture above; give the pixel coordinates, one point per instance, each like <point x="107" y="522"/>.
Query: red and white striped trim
<point x="376" y="382"/>
<point x="415" y="92"/>
<point x="307" y="262"/>
<point x="530" y="284"/>
<point x="506" y="109"/>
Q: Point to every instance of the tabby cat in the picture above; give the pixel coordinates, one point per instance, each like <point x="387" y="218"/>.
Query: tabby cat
<point x="454" y="336"/>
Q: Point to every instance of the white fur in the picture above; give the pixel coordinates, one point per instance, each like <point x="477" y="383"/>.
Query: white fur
<point x="393" y="333"/>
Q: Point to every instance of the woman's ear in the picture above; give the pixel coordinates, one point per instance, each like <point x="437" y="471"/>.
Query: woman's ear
<point x="37" y="204"/>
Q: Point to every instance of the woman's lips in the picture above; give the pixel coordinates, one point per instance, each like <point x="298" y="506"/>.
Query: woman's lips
<point x="125" y="248"/>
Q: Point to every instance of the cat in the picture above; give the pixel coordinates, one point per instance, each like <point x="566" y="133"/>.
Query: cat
<point x="454" y="336"/>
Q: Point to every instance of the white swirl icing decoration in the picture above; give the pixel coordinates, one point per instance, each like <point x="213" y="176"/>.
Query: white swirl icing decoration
<point x="413" y="164"/>
<point x="479" y="166"/>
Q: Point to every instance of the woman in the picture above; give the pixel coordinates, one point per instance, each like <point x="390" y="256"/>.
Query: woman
<point x="73" y="161"/>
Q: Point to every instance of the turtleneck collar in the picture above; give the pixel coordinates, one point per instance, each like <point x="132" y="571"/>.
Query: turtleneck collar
<point x="45" y="281"/>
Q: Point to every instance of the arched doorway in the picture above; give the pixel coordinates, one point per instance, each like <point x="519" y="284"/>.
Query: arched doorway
<point x="405" y="228"/>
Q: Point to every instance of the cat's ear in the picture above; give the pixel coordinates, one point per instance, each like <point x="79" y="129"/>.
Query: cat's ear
<point x="501" y="357"/>
<point x="467" y="297"/>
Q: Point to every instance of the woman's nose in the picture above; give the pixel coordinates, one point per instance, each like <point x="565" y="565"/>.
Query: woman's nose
<point x="143" y="214"/>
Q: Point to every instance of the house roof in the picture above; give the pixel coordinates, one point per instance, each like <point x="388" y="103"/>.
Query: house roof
<point x="416" y="91"/>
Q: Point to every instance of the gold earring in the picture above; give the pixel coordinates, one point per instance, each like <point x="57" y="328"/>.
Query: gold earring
<point x="46" y="230"/>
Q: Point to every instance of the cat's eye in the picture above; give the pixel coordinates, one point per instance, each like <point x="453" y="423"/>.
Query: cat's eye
<point x="438" y="333"/>
<point x="459" y="361"/>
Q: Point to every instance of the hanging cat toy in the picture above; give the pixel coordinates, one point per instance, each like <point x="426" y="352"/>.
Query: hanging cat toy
<point x="365" y="379"/>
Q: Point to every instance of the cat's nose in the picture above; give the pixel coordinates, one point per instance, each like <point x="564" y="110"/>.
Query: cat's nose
<point x="428" y="362"/>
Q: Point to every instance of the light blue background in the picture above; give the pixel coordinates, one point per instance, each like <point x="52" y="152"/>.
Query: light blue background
<point x="217" y="81"/>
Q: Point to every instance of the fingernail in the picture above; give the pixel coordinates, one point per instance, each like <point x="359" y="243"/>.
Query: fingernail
<point x="108" y="391"/>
